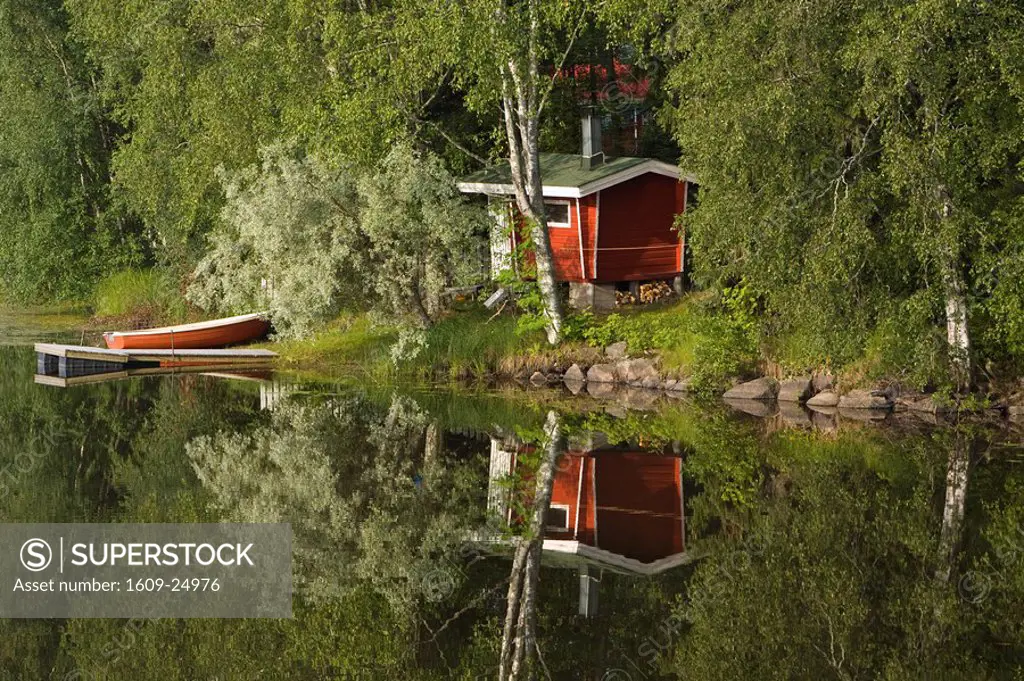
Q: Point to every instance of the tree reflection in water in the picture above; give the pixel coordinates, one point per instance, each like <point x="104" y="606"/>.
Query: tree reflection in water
<point x="877" y="551"/>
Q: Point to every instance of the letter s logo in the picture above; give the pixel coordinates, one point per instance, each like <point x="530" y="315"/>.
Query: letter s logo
<point x="36" y="555"/>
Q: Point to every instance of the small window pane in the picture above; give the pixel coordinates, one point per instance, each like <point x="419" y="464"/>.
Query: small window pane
<point x="558" y="518"/>
<point x="558" y="214"/>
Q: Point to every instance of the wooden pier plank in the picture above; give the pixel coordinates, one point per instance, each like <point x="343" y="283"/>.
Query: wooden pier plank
<point x="225" y="356"/>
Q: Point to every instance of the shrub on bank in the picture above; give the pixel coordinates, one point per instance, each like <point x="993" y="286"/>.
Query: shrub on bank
<point x="150" y="293"/>
<point x="710" y="338"/>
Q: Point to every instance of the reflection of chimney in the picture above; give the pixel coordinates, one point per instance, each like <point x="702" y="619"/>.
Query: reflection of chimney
<point x="593" y="156"/>
<point x="588" y="592"/>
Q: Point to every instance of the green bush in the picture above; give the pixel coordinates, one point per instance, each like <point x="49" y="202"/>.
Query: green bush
<point x="709" y="338"/>
<point x="153" y="292"/>
<point x="303" y="240"/>
<point x="908" y="345"/>
<point x="727" y="336"/>
<point x="642" y="330"/>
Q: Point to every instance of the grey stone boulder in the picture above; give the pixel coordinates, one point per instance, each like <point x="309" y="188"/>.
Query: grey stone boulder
<point x="865" y="399"/>
<point x="615" y="351"/>
<point x="758" y="408"/>
<point x="795" y="390"/>
<point x="759" y="389"/>
<point x="683" y="385"/>
<point x="826" y="398"/>
<point x="601" y="373"/>
<point x="538" y="379"/>
<point x="635" y="371"/>
<point x="574" y="375"/>
<point x="651" y="383"/>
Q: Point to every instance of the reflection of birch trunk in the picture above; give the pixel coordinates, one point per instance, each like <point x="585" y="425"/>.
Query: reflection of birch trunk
<point x="957" y="336"/>
<point x="432" y="447"/>
<point x="433" y="451"/>
<point x="954" y="509"/>
<point x="519" y="640"/>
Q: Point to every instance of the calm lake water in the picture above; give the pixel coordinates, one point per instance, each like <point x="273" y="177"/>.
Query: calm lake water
<point x="681" y="540"/>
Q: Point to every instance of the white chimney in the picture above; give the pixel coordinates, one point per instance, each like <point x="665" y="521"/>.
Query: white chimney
<point x="593" y="156"/>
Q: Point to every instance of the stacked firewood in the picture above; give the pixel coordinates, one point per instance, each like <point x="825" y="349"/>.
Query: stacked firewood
<point x="655" y="291"/>
<point x="624" y="298"/>
<point x="647" y="293"/>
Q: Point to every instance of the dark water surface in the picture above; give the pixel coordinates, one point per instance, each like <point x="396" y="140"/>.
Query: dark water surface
<point x="685" y="541"/>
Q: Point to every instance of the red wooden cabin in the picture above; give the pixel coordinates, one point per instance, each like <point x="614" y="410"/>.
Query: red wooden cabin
<point x="619" y="509"/>
<point x="610" y="220"/>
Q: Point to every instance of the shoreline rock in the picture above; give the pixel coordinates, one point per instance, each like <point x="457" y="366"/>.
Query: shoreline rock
<point x="826" y="399"/>
<point x="865" y="399"/>
<point x="764" y="389"/>
<point x="601" y="373"/>
<point x="574" y="375"/>
<point x="616" y="351"/>
<point x="796" y="390"/>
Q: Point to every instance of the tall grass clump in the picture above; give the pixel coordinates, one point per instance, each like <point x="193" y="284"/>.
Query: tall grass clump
<point x="150" y="293"/>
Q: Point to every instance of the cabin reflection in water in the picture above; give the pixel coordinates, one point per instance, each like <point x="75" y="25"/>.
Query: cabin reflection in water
<point x="612" y="508"/>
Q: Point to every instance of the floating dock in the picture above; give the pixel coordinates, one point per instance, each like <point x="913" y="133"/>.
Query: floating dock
<point x="71" y="361"/>
<point x="248" y="372"/>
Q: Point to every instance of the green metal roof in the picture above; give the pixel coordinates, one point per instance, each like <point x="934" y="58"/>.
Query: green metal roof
<point x="557" y="170"/>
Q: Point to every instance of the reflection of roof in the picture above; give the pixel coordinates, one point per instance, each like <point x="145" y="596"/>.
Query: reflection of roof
<point x="564" y="176"/>
<point x="608" y="559"/>
<point x="572" y="554"/>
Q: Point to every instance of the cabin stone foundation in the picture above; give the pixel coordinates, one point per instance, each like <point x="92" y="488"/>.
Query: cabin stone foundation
<point x="588" y="296"/>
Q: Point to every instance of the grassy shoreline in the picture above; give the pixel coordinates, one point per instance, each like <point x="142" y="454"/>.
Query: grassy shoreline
<point x="710" y="339"/>
<point x="683" y="336"/>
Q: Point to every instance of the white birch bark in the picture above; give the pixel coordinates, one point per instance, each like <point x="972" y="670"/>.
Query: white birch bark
<point x="521" y="107"/>
<point x="955" y="506"/>
<point x="957" y="335"/>
<point x="519" y="638"/>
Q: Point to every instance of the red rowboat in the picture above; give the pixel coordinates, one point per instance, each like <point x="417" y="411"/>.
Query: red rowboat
<point x="211" y="334"/>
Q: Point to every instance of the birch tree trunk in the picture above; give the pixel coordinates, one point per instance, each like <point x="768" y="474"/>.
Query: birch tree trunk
<point x="955" y="290"/>
<point x="521" y="107"/>
<point x="519" y="635"/>
<point x="955" y="507"/>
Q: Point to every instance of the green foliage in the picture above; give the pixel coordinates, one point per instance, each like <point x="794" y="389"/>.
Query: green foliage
<point x="841" y="180"/>
<point x="417" y="236"/>
<point x="906" y="345"/>
<point x="288" y="226"/>
<point x="640" y="331"/>
<point x="519" y="278"/>
<point x="152" y="292"/>
<point x="727" y="340"/>
<point x="198" y="87"/>
<point x="304" y="241"/>
<point x="706" y="339"/>
<point x="59" y="228"/>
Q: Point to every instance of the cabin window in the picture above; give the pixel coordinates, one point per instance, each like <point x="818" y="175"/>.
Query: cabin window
<point x="558" y="213"/>
<point x="557" y="517"/>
